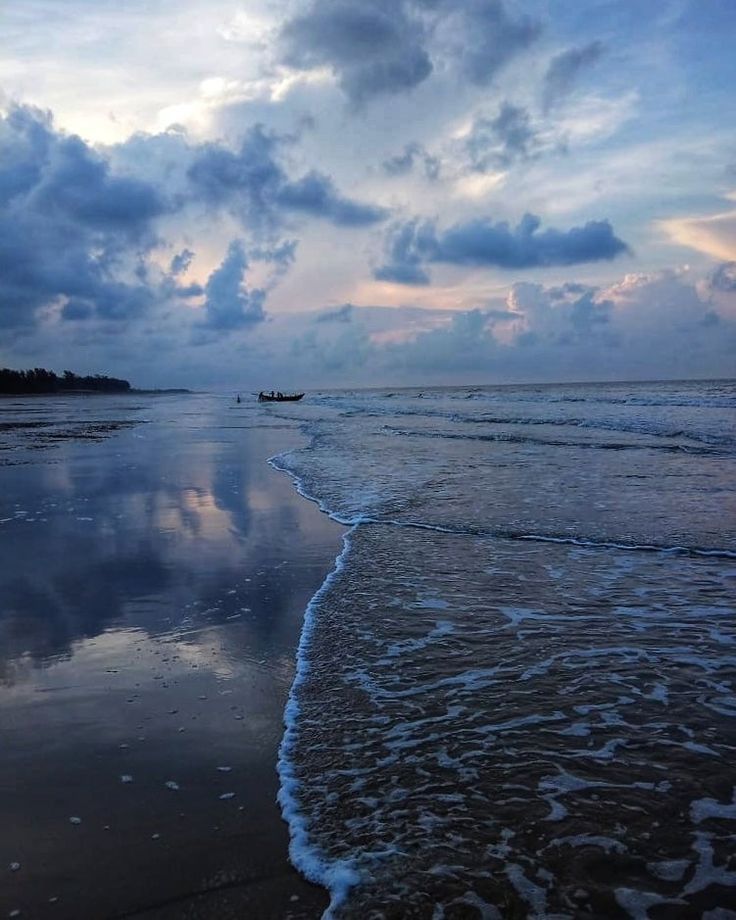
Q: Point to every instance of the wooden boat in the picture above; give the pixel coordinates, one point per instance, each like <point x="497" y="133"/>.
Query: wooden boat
<point x="280" y="397"/>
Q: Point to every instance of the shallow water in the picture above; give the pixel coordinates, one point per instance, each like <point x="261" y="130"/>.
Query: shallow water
<point x="516" y="694"/>
<point x="154" y="576"/>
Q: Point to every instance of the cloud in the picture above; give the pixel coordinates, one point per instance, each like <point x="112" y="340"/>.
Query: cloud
<point x="247" y="180"/>
<point x="714" y="235"/>
<point x="315" y="194"/>
<point x="281" y="256"/>
<point x="341" y="314"/>
<point x="228" y="303"/>
<point x="372" y="47"/>
<point x="377" y="48"/>
<point x="79" y="228"/>
<point x="560" y="315"/>
<point x="482" y="243"/>
<point x="492" y="38"/>
<point x="645" y="326"/>
<point x="564" y="69"/>
<point x="412" y="154"/>
<point x="495" y="143"/>
<point x="407" y="246"/>
<point x="252" y="183"/>
<point x="181" y="262"/>
<point x="723" y="277"/>
<point x="71" y="231"/>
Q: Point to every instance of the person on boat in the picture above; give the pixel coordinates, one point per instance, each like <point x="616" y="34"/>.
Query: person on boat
<point x="272" y="394"/>
<point x="260" y="395"/>
<point x="279" y="394"/>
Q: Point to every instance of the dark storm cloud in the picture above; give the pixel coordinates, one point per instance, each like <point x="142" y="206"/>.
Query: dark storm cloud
<point x="67" y="225"/>
<point x="411" y="156"/>
<point x="374" y="47"/>
<point x="495" y="143"/>
<point x="229" y="304"/>
<point x="253" y="183"/>
<point x="383" y="47"/>
<point x="564" y="69"/>
<point x="481" y="243"/>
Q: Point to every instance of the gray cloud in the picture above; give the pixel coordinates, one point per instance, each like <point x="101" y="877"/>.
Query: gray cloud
<point x="281" y="256"/>
<point x="407" y="247"/>
<point x="564" y="70"/>
<point x="246" y="181"/>
<point x="71" y="231"/>
<point x="480" y="242"/>
<point x="562" y="315"/>
<point x="315" y="194"/>
<point x="373" y="47"/>
<point x="495" y="143"/>
<point x="723" y="277"/>
<point x="341" y="314"/>
<point x="181" y="262"/>
<point x="384" y="47"/>
<point x="77" y="233"/>
<point x="492" y="38"/>
<point x="229" y="304"/>
<point x="649" y="326"/>
<point x="412" y="155"/>
<point x="253" y="184"/>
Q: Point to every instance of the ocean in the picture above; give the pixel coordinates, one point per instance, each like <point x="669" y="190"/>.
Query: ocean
<point x="515" y="693"/>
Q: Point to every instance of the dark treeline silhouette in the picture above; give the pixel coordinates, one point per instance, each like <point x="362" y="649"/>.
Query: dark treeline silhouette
<point x="39" y="380"/>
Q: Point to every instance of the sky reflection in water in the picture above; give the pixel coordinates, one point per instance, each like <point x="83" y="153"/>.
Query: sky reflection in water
<point x="152" y="591"/>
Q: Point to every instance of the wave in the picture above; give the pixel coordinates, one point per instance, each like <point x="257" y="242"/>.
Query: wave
<point x="432" y="641"/>
<point x="711" y="395"/>
<point x="279" y="462"/>
<point x="501" y="534"/>
<point x="552" y="442"/>
<point x="688" y="429"/>
<point x="394" y="763"/>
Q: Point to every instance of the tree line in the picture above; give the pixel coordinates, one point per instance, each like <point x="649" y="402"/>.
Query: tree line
<point x="39" y="380"/>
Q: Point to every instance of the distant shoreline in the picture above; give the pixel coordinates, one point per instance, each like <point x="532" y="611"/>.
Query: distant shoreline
<point x="170" y="391"/>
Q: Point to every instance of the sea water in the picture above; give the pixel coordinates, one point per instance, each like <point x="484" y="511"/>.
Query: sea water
<point x="515" y="694"/>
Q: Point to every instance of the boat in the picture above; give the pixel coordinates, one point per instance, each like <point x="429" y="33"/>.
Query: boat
<point x="280" y="397"/>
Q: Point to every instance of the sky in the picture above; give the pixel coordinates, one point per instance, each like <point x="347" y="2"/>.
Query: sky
<point x="292" y="193"/>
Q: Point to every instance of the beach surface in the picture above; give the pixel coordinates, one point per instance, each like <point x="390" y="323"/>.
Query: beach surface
<point x="155" y="575"/>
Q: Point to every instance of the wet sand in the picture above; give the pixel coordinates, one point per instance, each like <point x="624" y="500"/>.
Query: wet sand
<point x="151" y="598"/>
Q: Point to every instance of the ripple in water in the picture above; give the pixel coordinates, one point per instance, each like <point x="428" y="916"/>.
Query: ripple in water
<point x="495" y="727"/>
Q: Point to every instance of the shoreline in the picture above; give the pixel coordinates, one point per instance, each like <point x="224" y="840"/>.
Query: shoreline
<point x="174" y="391"/>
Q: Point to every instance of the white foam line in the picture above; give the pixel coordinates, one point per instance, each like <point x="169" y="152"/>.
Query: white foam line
<point x="277" y="463"/>
<point x="647" y="547"/>
<point x="574" y="541"/>
<point x="337" y="876"/>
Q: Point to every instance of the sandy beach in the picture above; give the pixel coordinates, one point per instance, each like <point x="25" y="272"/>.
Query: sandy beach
<point x="153" y="587"/>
